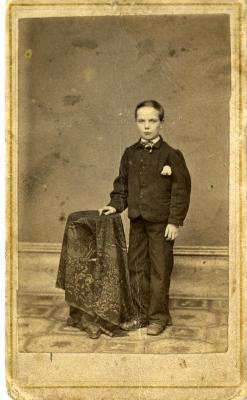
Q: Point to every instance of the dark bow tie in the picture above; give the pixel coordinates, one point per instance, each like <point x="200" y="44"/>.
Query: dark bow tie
<point x="148" y="146"/>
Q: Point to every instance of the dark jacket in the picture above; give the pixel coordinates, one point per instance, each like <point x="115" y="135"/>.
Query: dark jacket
<point x="141" y="187"/>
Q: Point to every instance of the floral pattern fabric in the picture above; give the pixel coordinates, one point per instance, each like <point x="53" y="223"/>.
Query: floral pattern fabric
<point x="93" y="269"/>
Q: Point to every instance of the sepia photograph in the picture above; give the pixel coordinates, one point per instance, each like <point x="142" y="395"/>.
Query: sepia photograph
<point x="127" y="200"/>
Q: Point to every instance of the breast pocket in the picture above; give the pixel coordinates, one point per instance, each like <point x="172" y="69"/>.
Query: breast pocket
<point x="165" y="183"/>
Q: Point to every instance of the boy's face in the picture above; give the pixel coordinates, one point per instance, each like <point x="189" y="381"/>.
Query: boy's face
<point x="148" y="122"/>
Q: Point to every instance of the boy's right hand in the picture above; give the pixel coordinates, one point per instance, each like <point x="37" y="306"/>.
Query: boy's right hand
<point x="107" y="210"/>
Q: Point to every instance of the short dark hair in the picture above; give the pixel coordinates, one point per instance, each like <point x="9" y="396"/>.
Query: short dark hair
<point x="154" y="104"/>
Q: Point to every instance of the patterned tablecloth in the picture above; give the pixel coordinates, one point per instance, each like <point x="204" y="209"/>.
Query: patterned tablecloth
<point x="93" y="272"/>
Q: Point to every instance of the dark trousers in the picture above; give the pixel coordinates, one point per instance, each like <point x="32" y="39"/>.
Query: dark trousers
<point x="150" y="260"/>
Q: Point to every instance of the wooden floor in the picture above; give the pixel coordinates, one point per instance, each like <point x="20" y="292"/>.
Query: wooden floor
<point x="199" y="326"/>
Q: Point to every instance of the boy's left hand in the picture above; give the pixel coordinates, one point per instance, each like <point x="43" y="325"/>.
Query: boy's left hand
<point x="171" y="232"/>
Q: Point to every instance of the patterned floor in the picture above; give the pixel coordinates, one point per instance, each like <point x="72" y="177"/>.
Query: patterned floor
<point x="199" y="326"/>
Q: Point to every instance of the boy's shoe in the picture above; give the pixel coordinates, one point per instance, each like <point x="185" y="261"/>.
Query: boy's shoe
<point x="155" y="329"/>
<point x="133" y="325"/>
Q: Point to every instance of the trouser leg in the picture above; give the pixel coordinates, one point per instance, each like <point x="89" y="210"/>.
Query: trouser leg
<point x="161" y="258"/>
<point x="139" y="267"/>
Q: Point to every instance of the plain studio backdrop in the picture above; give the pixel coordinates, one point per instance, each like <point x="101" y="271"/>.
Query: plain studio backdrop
<point x="79" y="82"/>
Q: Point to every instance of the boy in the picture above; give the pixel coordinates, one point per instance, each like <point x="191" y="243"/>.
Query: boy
<point x="154" y="183"/>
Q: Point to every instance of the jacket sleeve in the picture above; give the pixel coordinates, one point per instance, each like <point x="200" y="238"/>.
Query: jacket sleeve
<point x="181" y="188"/>
<point x="119" y="194"/>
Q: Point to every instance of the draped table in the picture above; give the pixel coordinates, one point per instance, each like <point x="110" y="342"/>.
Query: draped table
<point x="94" y="274"/>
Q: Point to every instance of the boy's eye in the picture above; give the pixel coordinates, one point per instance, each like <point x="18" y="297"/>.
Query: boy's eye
<point x="142" y="121"/>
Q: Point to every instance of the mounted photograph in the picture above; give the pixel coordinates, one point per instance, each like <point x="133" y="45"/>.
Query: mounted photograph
<point x="126" y="160"/>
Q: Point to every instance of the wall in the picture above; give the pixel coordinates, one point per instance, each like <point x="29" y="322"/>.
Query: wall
<point x="79" y="81"/>
<point x="197" y="273"/>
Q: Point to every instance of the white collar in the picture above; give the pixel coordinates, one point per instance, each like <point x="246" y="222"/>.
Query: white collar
<point x="155" y="140"/>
